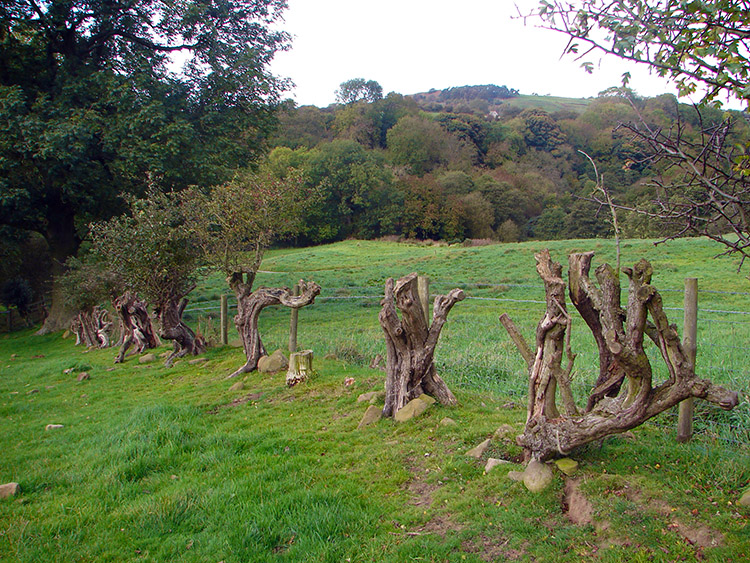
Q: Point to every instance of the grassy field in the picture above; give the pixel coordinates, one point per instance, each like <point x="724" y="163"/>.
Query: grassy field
<point x="156" y="464"/>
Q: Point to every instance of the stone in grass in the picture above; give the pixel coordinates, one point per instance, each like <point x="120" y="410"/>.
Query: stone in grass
<point x="505" y="431"/>
<point x="372" y="415"/>
<point x="367" y="397"/>
<point x="197" y="361"/>
<point x="83" y="376"/>
<point x="492" y="463"/>
<point x="537" y="476"/>
<point x="54" y="427"/>
<point x="273" y="363"/>
<point x="745" y="499"/>
<point x="427" y="399"/>
<point x="567" y="466"/>
<point x="410" y="410"/>
<point x="147" y="358"/>
<point x="478" y="451"/>
<point x="239" y="386"/>
<point x="447" y="421"/>
<point x="9" y="490"/>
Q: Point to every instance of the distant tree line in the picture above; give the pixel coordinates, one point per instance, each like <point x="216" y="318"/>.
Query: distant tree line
<point x="505" y="170"/>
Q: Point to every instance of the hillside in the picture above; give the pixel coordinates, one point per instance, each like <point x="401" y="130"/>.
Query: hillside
<point x="181" y="465"/>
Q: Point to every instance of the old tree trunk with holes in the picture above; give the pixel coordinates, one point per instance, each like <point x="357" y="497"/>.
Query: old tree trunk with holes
<point x="249" y="306"/>
<point x="185" y="342"/>
<point x="625" y="394"/>
<point x="135" y="325"/>
<point x="92" y="328"/>
<point x="410" y="344"/>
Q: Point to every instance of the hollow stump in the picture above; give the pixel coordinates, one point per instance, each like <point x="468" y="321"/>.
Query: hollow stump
<point x="411" y="342"/>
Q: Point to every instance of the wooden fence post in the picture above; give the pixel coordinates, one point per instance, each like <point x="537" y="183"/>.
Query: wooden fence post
<point x="293" y="323"/>
<point x="689" y="344"/>
<point x="423" y="289"/>
<point x="224" y="320"/>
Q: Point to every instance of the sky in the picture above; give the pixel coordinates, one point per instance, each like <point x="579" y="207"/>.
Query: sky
<point x="411" y="46"/>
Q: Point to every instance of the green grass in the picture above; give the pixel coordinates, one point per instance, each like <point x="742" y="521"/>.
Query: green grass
<point x="157" y="464"/>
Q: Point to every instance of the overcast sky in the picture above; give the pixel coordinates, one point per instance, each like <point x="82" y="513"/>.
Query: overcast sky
<point x="410" y="46"/>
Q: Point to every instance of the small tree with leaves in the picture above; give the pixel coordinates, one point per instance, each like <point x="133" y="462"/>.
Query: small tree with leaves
<point x="234" y="224"/>
<point x="154" y="252"/>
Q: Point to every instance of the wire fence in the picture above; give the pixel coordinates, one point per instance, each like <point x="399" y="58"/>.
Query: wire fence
<point x="475" y="352"/>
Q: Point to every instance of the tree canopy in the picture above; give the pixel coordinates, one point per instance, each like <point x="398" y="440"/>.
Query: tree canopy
<point x="92" y="105"/>
<point x="703" y="46"/>
<point x="359" y="89"/>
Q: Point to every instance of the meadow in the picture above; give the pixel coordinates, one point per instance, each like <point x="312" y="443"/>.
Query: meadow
<point x="157" y="464"/>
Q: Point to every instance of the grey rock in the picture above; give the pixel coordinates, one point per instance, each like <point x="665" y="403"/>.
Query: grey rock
<point x="477" y="451"/>
<point x="410" y="410"/>
<point x="745" y="499"/>
<point x="371" y="416"/>
<point x="54" y="427"/>
<point x="567" y="466"/>
<point x="367" y="397"/>
<point x="427" y="399"/>
<point x="515" y="476"/>
<point x="447" y="421"/>
<point x="197" y="361"/>
<point x="239" y="386"/>
<point x="9" y="490"/>
<point x="273" y="363"/>
<point x="492" y="463"/>
<point x="83" y="376"/>
<point x="504" y="431"/>
<point x="147" y="358"/>
<point x="537" y="476"/>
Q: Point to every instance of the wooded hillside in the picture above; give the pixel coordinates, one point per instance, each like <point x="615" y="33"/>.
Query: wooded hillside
<point x="481" y="162"/>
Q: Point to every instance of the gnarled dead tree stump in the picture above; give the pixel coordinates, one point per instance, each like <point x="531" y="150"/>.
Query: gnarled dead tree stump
<point x="135" y="325"/>
<point x="625" y="394"/>
<point x="410" y="344"/>
<point x="249" y="306"/>
<point x="92" y="328"/>
<point x="185" y="341"/>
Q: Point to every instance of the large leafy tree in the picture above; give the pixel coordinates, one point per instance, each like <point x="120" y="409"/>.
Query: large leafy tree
<point x="93" y="105"/>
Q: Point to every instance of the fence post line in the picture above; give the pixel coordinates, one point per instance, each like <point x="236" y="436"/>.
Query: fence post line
<point x="690" y="345"/>
<point x="224" y="321"/>
<point x="423" y="290"/>
<point x="293" y="323"/>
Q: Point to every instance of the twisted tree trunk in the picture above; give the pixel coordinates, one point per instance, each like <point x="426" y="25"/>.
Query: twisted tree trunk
<point x="135" y="324"/>
<point x="92" y="328"/>
<point x="410" y="344"/>
<point x="169" y="313"/>
<point x="624" y="395"/>
<point x="249" y="306"/>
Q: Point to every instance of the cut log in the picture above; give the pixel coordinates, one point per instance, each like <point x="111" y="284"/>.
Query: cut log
<point x="410" y="344"/>
<point x="624" y="395"/>
<point x="300" y="367"/>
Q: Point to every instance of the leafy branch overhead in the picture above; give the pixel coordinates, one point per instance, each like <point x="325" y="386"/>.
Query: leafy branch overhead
<point x="703" y="46"/>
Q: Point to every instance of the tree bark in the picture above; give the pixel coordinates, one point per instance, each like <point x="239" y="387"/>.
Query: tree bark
<point x="300" y="367"/>
<point x="624" y="396"/>
<point x="92" y="328"/>
<point x="249" y="306"/>
<point x="172" y="328"/>
<point x="135" y="322"/>
<point x="410" y="344"/>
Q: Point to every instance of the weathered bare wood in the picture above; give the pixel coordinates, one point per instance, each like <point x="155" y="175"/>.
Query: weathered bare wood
<point x="689" y="344"/>
<point x="518" y="339"/>
<point x="300" y="367"/>
<point x="410" y="343"/>
<point x="92" y="328"/>
<point x="224" y="320"/>
<point x="624" y="396"/>
<point x="185" y="341"/>
<point x="135" y="323"/>
<point x="249" y="306"/>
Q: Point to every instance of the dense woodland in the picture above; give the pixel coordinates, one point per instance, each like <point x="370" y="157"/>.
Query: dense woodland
<point x="479" y="162"/>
